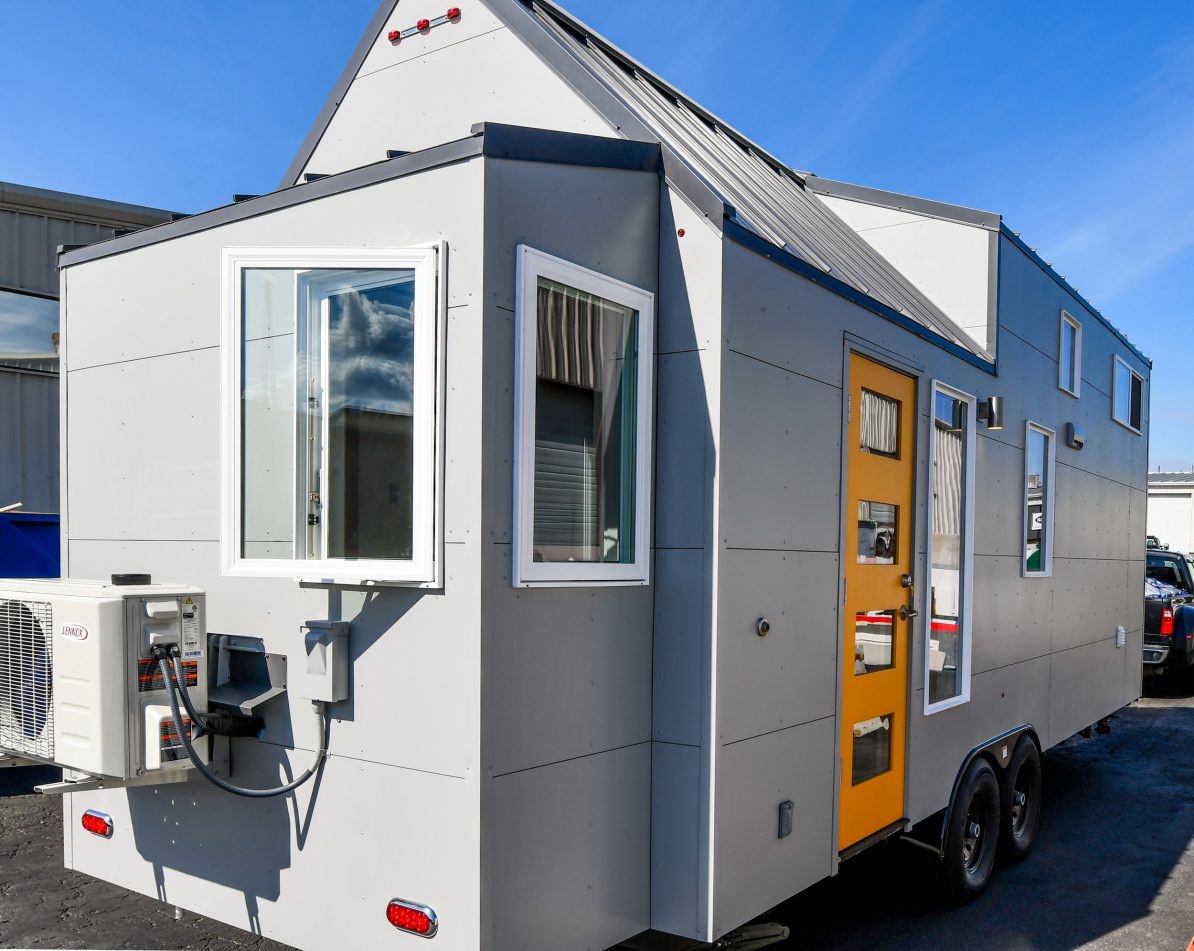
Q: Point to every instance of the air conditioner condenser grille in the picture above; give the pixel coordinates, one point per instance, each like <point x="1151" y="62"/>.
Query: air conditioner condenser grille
<point x="26" y="678"/>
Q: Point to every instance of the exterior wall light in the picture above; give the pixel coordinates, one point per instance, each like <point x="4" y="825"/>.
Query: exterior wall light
<point x="990" y="411"/>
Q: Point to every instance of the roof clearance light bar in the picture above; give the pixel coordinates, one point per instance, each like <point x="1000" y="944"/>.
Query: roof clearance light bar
<point x="412" y="918"/>
<point x="98" y="823"/>
<point x="452" y="16"/>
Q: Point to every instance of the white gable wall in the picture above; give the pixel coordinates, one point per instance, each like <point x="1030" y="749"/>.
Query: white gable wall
<point x="432" y="88"/>
<point x="948" y="261"/>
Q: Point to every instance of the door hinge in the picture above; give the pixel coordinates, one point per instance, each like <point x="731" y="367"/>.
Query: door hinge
<point x="312" y="519"/>
<point x="849" y="407"/>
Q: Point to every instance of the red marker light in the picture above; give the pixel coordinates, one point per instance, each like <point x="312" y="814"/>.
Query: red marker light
<point x="98" y="823"/>
<point x="454" y="13"/>
<point x="423" y="25"/>
<point x="412" y="917"/>
<point x="680" y="233"/>
<point x="395" y="36"/>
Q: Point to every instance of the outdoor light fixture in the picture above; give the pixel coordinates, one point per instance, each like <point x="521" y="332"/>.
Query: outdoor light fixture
<point x="990" y="411"/>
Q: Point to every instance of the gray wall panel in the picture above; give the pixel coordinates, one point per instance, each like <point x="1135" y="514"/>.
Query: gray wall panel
<point x="144" y="449"/>
<point x="1083" y="611"/>
<point x="790" y="676"/>
<point x="755" y="869"/>
<point x="690" y="273"/>
<point x="675" y="838"/>
<point x="1085" y="683"/>
<point x="1012" y="615"/>
<point x="573" y="845"/>
<point x="684" y="457"/>
<point x="780" y="459"/>
<point x="681" y="623"/>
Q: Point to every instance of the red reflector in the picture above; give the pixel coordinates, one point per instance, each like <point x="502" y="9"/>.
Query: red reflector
<point x="423" y="25"/>
<point x="412" y="917"/>
<point x="1167" y="622"/>
<point x="454" y="13"/>
<point x="97" y="823"/>
<point x="395" y="36"/>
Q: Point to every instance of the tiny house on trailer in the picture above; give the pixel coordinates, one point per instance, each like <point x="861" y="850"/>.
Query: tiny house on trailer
<point x="654" y="525"/>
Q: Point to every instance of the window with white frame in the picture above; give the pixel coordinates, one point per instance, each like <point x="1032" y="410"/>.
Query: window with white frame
<point x="1069" y="362"/>
<point x="1039" y="469"/>
<point x="1127" y="396"/>
<point x="951" y="554"/>
<point x="331" y="383"/>
<point x="583" y="430"/>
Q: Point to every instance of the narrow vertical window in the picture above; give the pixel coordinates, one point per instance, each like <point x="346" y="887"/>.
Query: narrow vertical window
<point x="1069" y="362"/>
<point x="584" y="393"/>
<point x="947" y="662"/>
<point x="1039" y="470"/>
<point x="1127" y="397"/>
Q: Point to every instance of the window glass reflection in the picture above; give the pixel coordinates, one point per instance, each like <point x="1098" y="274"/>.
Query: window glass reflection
<point x="876" y="533"/>
<point x="950" y="434"/>
<point x="879" y="425"/>
<point x="871" y="755"/>
<point x="874" y="641"/>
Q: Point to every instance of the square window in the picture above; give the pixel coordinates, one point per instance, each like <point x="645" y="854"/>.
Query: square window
<point x="583" y="453"/>
<point x="333" y="355"/>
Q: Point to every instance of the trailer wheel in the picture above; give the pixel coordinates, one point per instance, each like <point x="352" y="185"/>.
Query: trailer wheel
<point x="972" y="835"/>
<point x="1020" y="801"/>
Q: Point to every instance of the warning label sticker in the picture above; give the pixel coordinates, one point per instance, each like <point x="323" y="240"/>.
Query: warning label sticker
<point x="192" y="643"/>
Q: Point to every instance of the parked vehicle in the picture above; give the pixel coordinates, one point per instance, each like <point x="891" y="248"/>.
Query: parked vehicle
<point x="1168" y="616"/>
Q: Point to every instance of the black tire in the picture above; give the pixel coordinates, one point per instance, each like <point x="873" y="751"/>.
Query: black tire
<point x="972" y="834"/>
<point x="1020" y="801"/>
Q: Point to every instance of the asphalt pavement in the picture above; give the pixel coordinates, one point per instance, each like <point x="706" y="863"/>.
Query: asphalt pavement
<point x="1113" y="869"/>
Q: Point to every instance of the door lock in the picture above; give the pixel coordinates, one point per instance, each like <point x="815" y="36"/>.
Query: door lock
<point x="907" y="612"/>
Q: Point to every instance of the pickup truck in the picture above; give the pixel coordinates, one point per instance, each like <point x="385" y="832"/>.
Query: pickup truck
<point x="1169" y="614"/>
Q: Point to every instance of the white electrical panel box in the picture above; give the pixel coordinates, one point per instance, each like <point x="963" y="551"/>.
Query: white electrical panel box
<point x="79" y="687"/>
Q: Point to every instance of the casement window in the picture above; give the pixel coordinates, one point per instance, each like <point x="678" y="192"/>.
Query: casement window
<point x="1039" y="470"/>
<point x="583" y="426"/>
<point x="951" y="549"/>
<point x="1127" y="396"/>
<point x="331" y="383"/>
<point x="1069" y="359"/>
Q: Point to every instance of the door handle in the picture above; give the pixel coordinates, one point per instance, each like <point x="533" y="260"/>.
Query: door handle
<point x="906" y="612"/>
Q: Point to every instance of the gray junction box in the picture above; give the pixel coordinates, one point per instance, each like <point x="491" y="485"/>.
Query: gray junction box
<point x="660" y="487"/>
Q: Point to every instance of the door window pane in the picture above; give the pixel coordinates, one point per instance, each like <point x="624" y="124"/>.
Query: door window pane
<point x="876" y="533"/>
<point x="879" y="425"/>
<point x="586" y="407"/>
<point x="874" y="641"/>
<point x="872" y="748"/>
<point x="950" y="435"/>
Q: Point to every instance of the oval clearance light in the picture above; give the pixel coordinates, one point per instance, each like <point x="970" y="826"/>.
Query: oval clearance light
<point x="423" y="25"/>
<point x="453" y="13"/>
<point x="412" y="918"/>
<point x="395" y="35"/>
<point x="98" y="823"/>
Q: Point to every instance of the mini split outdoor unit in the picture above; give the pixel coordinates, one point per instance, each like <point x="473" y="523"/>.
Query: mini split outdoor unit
<point x="80" y="686"/>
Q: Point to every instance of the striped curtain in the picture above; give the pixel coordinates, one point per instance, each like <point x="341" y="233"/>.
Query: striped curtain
<point x="947" y="482"/>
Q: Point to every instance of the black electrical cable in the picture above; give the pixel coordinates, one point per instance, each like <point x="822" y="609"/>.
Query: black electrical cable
<point x="203" y="768"/>
<point x="181" y="680"/>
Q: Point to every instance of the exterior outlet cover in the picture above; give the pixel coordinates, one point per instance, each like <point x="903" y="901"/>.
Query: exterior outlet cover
<point x="785" y="818"/>
<point x="326" y="646"/>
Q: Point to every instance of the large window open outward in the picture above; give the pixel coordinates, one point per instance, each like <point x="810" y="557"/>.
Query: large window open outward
<point x="1127" y="399"/>
<point x="582" y="492"/>
<point x="951" y="556"/>
<point x="334" y="367"/>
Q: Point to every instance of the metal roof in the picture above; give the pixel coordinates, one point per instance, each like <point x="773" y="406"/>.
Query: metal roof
<point x="766" y="196"/>
<point x="1171" y="478"/>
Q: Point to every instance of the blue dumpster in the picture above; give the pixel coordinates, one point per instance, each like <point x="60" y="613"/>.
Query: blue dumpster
<point x="29" y="545"/>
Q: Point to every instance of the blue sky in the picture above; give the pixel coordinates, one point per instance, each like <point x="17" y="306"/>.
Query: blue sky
<point x="1075" y="120"/>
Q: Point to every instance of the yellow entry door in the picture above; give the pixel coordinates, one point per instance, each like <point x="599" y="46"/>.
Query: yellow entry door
<point x="879" y="588"/>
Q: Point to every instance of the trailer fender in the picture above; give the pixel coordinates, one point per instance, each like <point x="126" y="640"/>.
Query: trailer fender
<point x="999" y="751"/>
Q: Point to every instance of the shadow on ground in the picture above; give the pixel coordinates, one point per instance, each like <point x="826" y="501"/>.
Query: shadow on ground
<point x="1113" y="867"/>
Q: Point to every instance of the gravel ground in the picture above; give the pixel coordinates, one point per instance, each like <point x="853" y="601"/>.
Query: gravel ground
<point x="1113" y="869"/>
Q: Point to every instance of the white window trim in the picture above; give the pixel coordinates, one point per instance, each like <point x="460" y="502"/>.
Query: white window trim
<point x="1050" y="494"/>
<point x="966" y="633"/>
<point x="1116" y="362"/>
<point x="426" y="566"/>
<point x="1068" y="318"/>
<point x="531" y="265"/>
